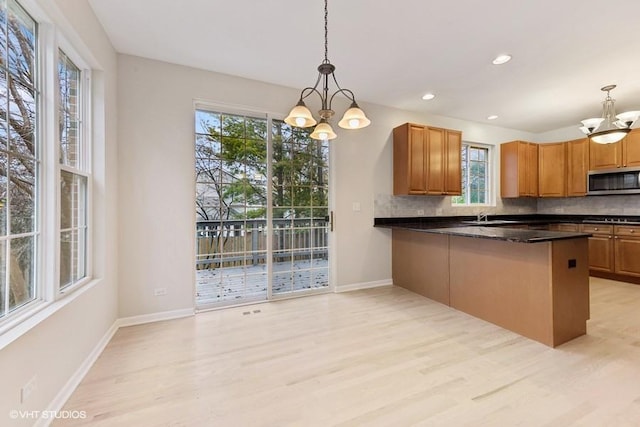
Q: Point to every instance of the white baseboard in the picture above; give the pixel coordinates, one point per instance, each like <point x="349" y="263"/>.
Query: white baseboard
<point x="155" y="317"/>
<point x="65" y="393"/>
<point x="364" y="285"/>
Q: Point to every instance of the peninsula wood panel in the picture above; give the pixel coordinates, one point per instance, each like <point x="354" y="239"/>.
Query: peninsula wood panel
<point x="504" y="283"/>
<point x="570" y="298"/>
<point x="420" y="263"/>
<point x="527" y="288"/>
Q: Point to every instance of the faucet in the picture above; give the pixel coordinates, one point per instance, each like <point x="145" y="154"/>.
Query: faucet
<point x="482" y="216"/>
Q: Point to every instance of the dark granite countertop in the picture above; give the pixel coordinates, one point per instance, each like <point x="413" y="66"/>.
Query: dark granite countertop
<point x="508" y="234"/>
<point x="495" y="228"/>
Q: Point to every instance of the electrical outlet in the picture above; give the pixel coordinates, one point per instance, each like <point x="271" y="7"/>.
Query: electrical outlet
<point x="420" y="212"/>
<point x="27" y="389"/>
<point x="159" y="292"/>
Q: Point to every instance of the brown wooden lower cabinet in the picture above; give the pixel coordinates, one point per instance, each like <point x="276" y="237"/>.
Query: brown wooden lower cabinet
<point x="627" y="250"/>
<point x="614" y="251"/>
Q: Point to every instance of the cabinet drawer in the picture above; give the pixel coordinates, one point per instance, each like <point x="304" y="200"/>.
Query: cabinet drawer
<point x="597" y="228"/>
<point x="564" y="227"/>
<point x="627" y="230"/>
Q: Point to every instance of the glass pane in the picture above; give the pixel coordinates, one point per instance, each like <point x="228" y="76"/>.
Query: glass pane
<point x="22" y="194"/>
<point x="73" y="189"/>
<point x="4" y="129"/>
<point x="69" y="111"/>
<point x="22" y="118"/>
<point x="3" y="194"/>
<point x="21" y="42"/>
<point x="207" y="122"/>
<point x="3" y="277"/>
<point x="21" y="271"/>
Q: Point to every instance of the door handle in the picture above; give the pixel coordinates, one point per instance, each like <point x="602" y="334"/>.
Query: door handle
<point x="331" y="221"/>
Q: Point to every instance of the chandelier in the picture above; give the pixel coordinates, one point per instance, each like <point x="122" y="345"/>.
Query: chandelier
<point x="609" y="128"/>
<point x="300" y="116"/>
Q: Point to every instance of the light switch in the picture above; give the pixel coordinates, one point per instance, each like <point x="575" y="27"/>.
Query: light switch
<point x="356" y="206"/>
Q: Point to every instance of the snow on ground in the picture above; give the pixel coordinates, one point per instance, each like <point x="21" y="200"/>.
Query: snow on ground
<point x="235" y="285"/>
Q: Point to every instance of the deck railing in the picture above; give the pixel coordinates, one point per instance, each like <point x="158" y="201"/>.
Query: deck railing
<point x="231" y="243"/>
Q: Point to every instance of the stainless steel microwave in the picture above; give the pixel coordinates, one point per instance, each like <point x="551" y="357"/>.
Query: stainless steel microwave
<point x="616" y="181"/>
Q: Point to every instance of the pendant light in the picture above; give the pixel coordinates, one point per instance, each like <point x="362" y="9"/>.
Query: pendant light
<point x="300" y="116"/>
<point x="609" y="128"/>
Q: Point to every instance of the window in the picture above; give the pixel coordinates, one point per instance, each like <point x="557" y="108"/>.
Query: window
<point x="475" y="176"/>
<point x="19" y="159"/>
<point x="44" y="166"/>
<point x="73" y="174"/>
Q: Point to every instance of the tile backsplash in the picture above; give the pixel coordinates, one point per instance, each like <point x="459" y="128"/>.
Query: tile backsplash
<point x="389" y="206"/>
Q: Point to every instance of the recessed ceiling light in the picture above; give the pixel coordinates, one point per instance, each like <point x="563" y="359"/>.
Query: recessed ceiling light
<point x="502" y="59"/>
<point x="428" y="96"/>
<point x="492" y="117"/>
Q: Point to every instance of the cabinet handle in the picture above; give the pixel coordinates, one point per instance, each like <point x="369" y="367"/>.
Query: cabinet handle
<point x="595" y="228"/>
<point x="617" y="237"/>
<point x="609" y="236"/>
<point x="631" y="231"/>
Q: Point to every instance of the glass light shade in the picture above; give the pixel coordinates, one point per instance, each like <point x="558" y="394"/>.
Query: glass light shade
<point x="584" y="130"/>
<point x="628" y="118"/>
<point x="300" y="116"/>
<point x="354" y="118"/>
<point x="323" y="131"/>
<point x="609" y="136"/>
<point x="592" y="124"/>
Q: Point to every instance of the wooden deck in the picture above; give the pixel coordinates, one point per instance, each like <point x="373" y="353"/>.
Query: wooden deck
<point x="237" y="285"/>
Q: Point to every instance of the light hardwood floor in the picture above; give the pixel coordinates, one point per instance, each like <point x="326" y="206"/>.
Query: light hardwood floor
<point x="379" y="357"/>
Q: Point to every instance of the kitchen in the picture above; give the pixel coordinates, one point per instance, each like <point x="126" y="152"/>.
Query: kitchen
<point x="425" y="250"/>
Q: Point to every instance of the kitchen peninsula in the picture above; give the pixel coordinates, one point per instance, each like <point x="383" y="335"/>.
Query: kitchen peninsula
<point x="532" y="282"/>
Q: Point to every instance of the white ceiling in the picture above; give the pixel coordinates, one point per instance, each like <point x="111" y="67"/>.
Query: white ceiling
<point x="392" y="52"/>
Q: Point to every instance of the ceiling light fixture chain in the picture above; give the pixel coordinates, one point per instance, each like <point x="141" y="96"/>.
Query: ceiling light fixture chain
<point x="610" y="127"/>
<point x="300" y="116"/>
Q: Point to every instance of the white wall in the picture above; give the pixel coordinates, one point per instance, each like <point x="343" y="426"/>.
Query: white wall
<point x="156" y="119"/>
<point x="54" y="350"/>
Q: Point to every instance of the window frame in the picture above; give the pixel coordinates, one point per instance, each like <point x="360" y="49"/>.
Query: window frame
<point x="84" y="167"/>
<point x="489" y="177"/>
<point x="50" y="38"/>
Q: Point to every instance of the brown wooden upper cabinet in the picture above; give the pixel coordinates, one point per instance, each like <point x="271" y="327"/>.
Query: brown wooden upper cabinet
<point x="622" y="154"/>
<point x="552" y="170"/>
<point x="577" y="166"/>
<point x="518" y="169"/>
<point x="426" y="160"/>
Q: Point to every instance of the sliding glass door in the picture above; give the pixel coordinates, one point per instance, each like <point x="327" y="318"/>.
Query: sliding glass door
<point x="261" y="209"/>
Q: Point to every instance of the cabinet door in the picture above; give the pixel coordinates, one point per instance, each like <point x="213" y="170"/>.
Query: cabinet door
<point x="417" y="147"/>
<point x="601" y="253"/>
<point x="627" y="250"/>
<point x="600" y="246"/>
<point x="435" y="160"/>
<point x="631" y="149"/>
<point x="577" y="167"/>
<point x="531" y="168"/>
<point x="509" y="180"/>
<point x="605" y="156"/>
<point x="453" y="170"/>
<point x="552" y="167"/>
